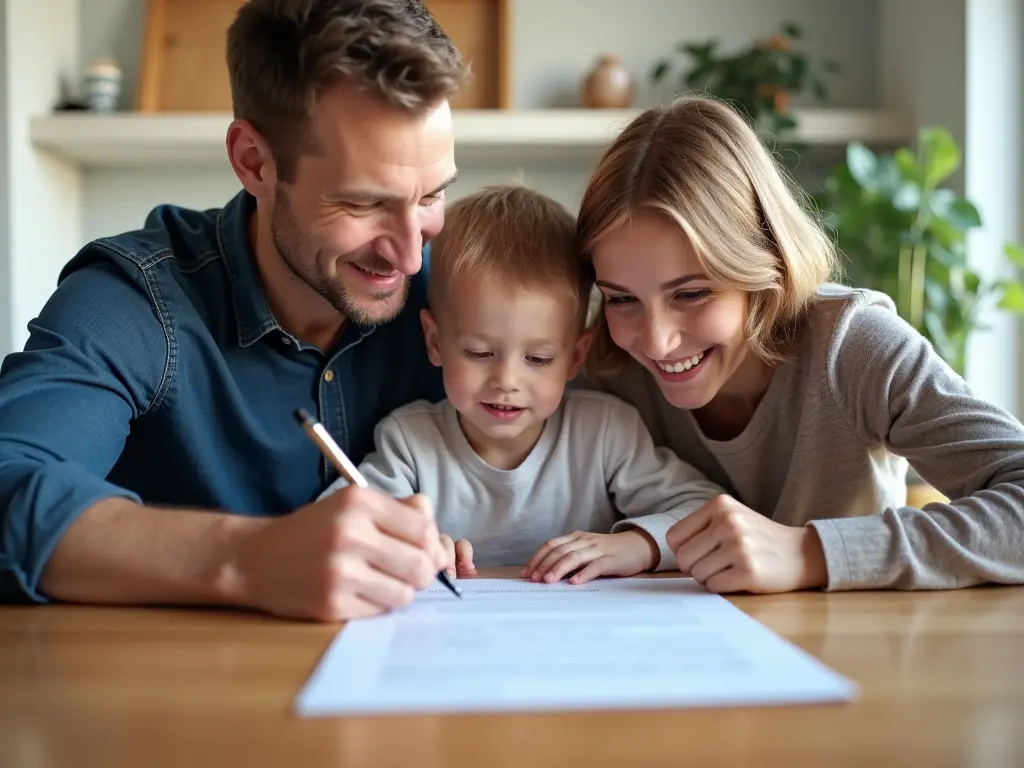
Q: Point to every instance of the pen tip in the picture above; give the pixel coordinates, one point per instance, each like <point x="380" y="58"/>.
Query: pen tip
<point x="302" y="416"/>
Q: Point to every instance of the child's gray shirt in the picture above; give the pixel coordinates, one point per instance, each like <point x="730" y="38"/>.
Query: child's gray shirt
<point x="595" y="468"/>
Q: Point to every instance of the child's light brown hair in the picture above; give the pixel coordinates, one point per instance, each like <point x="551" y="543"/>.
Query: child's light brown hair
<point x="697" y="162"/>
<point x="512" y="234"/>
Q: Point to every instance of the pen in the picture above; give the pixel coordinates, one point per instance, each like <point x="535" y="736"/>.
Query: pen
<point x="319" y="435"/>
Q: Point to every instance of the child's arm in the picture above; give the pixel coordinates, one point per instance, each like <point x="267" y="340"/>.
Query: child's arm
<point x="651" y="486"/>
<point x="391" y="467"/>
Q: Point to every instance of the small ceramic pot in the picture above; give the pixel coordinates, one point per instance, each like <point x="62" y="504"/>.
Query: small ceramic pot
<point x="608" y="84"/>
<point x="103" y="85"/>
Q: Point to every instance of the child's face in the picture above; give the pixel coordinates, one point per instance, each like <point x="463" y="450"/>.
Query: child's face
<point x="506" y="355"/>
<point x="661" y="308"/>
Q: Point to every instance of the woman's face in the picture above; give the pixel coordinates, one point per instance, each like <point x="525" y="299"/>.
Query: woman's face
<point x="661" y="308"/>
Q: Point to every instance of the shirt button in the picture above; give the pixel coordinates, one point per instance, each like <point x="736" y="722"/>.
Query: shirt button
<point x="285" y="340"/>
<point x="329" y="375"/>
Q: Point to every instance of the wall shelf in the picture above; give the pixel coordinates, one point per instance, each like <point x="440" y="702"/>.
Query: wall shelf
<point x="483" y="137"/>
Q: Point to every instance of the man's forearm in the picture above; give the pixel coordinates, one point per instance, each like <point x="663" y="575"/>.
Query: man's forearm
<point x="119" y="552"/>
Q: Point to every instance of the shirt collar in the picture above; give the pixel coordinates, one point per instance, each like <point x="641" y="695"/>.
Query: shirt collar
<point x="253" y="315"/>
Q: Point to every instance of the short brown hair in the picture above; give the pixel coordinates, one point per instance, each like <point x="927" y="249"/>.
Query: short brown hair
<point x="512" y="234"/>
<point x="698" y="163"/>
<point x="283" y="54"/>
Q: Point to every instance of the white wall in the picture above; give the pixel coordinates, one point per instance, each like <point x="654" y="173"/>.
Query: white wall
<point x="554" y="43"/>
<point x="40" y="49"/>
<point x="118" y="199"/>
<point x="958" y="63"/>
<point x="6" y="315"/>
<point x="994" y="131"/>
<point x="922" y="46"/>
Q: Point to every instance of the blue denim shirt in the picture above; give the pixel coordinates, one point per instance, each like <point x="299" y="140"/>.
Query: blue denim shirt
<point x="157" y="372"/>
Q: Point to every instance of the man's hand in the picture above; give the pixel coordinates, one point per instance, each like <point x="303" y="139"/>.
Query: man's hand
<point x="596" y="554"/>
<point x="458" y="557"/>
<point x="728" y="547"/>
<point x="353" y="554"/>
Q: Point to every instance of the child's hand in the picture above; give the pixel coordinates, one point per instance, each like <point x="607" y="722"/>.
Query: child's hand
<point x="595" y="554"/>
<point x="460" y="556"/>
<point x="728" y="547"/>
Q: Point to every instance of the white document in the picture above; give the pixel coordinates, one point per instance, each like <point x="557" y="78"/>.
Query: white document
<point x="512" y="645"/>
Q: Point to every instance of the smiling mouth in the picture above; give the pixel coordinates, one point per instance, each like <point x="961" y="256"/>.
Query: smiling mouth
<point x="679" y="366"/>
<point x="502" y="411"/>
<point x="374" y="273"/>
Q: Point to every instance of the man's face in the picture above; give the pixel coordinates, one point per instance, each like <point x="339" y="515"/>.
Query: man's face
<point x="352" y="222"/>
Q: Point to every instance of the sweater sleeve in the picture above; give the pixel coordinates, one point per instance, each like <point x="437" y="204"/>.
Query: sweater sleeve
<point x="391" y="467"/>
<point x="649" y="485"/>
<point x="894" y="390"/>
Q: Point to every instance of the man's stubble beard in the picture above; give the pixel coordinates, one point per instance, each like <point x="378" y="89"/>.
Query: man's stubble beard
<point x="301" y="262"/>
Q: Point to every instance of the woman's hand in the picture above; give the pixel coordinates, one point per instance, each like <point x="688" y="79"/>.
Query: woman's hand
<point x="597" y="554"/>
<point x="459" y="557"/>
<point x="728" y="547"/>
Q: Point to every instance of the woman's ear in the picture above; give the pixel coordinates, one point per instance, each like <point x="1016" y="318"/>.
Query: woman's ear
<point x="432" y="337"/>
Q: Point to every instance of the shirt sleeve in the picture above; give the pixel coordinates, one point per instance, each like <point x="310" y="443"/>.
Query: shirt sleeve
<point x="651" y="486"/>
<point x="390" y="468"/>
<point x="96" y="358"/>
<point x="893" y="389"/>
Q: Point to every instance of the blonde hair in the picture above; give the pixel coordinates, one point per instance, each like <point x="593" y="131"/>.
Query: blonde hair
<point x="698" y="162"/>
<point x="514" y="235"/>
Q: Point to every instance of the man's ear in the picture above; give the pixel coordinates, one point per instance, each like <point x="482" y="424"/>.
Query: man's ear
<point x="251" y="159"/>
<point x="432" y="337"/>
<point x="579" y="353"/>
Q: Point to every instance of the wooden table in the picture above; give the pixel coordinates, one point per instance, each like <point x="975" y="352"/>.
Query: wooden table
<point x="942" y="677"/>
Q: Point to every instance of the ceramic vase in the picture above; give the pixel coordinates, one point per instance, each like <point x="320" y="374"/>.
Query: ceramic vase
<point x="103" y="85"/>
<point x="608" y="84"/>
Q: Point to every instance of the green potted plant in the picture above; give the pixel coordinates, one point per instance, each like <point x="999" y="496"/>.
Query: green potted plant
<point x="901" y="232"/>
<point x="759" y="80"/>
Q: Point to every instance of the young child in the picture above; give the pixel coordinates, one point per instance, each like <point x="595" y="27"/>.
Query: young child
<point x="519" y="471"/>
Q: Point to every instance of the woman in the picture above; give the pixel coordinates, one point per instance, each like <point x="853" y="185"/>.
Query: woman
<point x="805" y="399"/>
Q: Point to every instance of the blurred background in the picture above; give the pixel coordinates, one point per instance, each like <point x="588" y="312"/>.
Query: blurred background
<point x="902" y="119"/>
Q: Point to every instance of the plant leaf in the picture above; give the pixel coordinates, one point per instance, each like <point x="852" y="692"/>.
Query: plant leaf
<point x="1013" y="297"/>
<point x="950" y="257"/>
<point x="887" y="177"/>
<point x="936" y="295"/>
<point x="658" y="71"/>
<point x="831" y="65"/>
<point x="791" y="29"/>
<point x="908" y="165"/>
<point x="785" y="123"/>
<point x="907" y="197"/>
<point x="1015" y="253"/>
<point x="936" y="334"/>
<point x="863" y="165"/>
<point x="972" y="280"/>
<point x="963" y="215"/>
<point x="700" y="51"/>
<point x="940" y="154"/>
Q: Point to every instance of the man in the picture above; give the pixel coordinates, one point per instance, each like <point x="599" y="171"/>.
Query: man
<point x="157" y="390"/>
